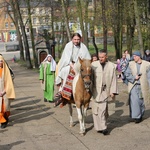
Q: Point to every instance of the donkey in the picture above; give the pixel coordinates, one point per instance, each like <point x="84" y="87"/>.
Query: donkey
<point x="81" y="92"/>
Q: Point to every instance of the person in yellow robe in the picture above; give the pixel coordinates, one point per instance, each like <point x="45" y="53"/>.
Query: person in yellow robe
<point x="7" y="92"/>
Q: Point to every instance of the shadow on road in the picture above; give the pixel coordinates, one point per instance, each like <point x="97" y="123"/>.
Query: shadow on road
<point x="26" y="110"/>
<point x="10" y="145"/>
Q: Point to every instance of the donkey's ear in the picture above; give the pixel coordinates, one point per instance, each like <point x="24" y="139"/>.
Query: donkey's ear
<point x="80" y="60"/>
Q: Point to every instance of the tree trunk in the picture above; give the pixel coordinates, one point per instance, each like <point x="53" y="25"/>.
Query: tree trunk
<point x="118" y="29"/>
<point x="130" y="37"/>
<point x="92" y="27"/>
<point x="138" y="26"/>
<point x="26" y="45"/>
<point x="15" y="21"/>
<point x="81" y="21"/>
<point x="130" y="21"/>
<point x="86" y="3"/>
<point x="53" y="33"/>
<point x="32" y="35"/>
<point x="66" y="19"/>
<point x="148" y="24"/>
<point x="104" y="25"/>
<point x="20" y="42"/>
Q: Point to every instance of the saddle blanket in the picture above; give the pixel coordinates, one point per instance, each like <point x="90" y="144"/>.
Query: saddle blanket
<point x="67" y="89"/>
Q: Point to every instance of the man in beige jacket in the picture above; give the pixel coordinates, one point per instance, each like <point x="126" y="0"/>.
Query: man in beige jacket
<point x="137" y="75"/>
<point x="104" y="87"/>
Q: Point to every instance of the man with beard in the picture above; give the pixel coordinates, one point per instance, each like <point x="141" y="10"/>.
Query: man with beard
<point x="69" y="59"/>
<point x="137" y="75"/>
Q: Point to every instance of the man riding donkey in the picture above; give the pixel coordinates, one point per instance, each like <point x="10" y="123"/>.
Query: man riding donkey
<point x="73" y="50"/>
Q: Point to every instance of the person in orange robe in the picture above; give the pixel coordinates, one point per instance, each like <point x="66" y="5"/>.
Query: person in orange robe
<point x="7" y="92"/>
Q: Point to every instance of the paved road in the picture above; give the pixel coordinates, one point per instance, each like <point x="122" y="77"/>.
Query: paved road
<point x="35" y="125"/>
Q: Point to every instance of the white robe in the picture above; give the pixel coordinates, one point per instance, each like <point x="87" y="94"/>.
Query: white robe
<point x="70" y="54"/>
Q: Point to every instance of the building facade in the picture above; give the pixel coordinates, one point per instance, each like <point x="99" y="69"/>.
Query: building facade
<point x="7" y="28"/>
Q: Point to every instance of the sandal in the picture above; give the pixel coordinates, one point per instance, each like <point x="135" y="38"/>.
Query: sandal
<point x="58" y="101"/>
<point x="58" y="94"/>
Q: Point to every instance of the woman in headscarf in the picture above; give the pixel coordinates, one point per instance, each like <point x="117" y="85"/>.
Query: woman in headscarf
<point x="47" y="77"/>
<point x="7" y="92"/>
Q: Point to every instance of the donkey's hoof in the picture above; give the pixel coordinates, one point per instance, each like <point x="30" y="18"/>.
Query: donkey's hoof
<point x="72" y="125"/>
<point x="82" y="133"/>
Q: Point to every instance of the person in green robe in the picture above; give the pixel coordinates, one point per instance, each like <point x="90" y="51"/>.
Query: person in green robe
<point x="47" y="77"/>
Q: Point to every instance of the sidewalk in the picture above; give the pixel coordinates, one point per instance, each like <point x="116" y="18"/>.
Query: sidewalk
<point x="36" y="125"/>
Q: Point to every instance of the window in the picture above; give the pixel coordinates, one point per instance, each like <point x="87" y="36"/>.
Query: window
<point x="33" y="11"/>
<point x="6" y="25"/>
<point x="27" y="29"/>
<point x="40" y="20"/>
<point x="47" y="11"/>
<point x="11" y="24"/>
<point x="34" y="20"/>
<point x="43" y="11"/>
<point x="46" y="20"/>
<point x="25" y="11"/>
<point x="43" y="20"/>
<point x="6" y="16"/>
<point x="40" y="11"/>
<point x="9" y="8"/>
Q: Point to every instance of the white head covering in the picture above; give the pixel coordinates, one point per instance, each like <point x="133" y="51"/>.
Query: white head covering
<point x="53" y="63"/>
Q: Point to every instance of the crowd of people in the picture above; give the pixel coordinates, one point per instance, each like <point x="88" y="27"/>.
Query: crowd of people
<point x="133" y="70"/>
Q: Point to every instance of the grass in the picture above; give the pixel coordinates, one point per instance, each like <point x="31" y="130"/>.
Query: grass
<point x="100" y="46"/>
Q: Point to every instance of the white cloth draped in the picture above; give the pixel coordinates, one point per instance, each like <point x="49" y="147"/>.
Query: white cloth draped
<point x="53" y="63"/>
<point x="70" y="54"/>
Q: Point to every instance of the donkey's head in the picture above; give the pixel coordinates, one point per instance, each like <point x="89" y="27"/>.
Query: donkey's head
<point x="86" y="72"/>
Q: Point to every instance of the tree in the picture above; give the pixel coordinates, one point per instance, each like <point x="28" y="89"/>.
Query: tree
<point x="64" y="8"/>
<point x="93" y="23"/>
<point x="24" y="36"/>
<point x="130" y="23"/>
<point x="138" y="26"/>
<point x="104" y="24"/>
<point x="117" y="27"/>
<point x="82" y="19"/>
<point x="148" y="23"/>
<point x="32" y="34"/>
<point x="13" y="11"/>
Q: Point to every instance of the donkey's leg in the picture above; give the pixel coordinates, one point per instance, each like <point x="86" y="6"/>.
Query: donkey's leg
<point x="84" y="116"/>
<point x="80" y="118"/>
<point x="71" y="112"/>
